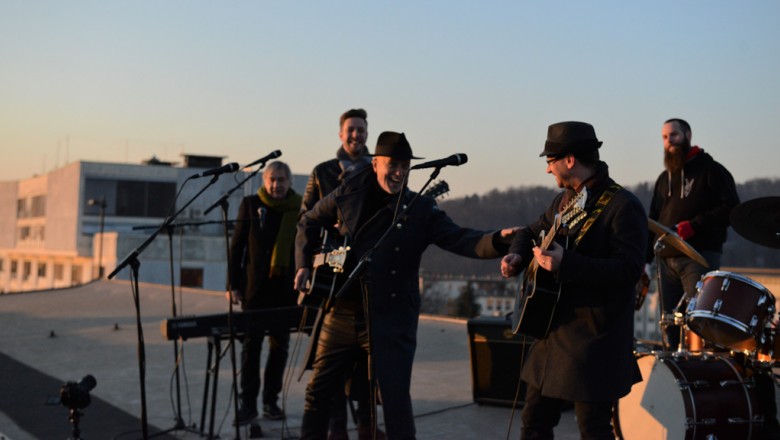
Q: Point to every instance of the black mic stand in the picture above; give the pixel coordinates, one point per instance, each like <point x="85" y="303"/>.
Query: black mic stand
<point x="359" y="270"/>
<point x="179" y="425"/>
<point x="132" y="261"/>
<point x="223" y="203"/>
<point x="663" y="321"/>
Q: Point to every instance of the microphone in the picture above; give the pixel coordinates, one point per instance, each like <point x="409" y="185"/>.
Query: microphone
<point x="455" y="160"/>
<point x="261" y="214"/>
<point x="263" y="160"/>
<point x="229" y="168"/>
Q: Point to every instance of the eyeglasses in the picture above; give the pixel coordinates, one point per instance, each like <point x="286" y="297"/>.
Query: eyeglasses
<point x="552" y="160"/>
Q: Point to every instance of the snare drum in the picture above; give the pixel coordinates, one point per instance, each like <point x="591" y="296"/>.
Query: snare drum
<point x="688" y="397"/>
<point x="730" y="310"/>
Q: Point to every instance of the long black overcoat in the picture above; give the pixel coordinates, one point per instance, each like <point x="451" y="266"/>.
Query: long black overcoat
<point x="393" y="272"/>
<point x="588" y="354"/>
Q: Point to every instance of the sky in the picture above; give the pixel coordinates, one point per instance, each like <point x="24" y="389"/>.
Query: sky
<point x="122" y="81"/>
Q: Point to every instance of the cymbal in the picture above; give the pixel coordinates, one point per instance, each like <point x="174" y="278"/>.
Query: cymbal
<point x="670" y="238"/>
<point x="758" y="220"/>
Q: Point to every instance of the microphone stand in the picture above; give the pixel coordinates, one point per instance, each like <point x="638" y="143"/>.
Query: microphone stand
<point x="179" y="425"/>
<point x="223" y="203"/>
<point x="132" y="261"/>
<point x="396" y="225"/>
<point x="663" y="322"/>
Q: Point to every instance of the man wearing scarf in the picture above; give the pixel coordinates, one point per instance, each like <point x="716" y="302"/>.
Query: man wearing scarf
<point x="261" y="271"/>
<point x="587" y="355"/>
<point x="351" y="157"/>
<point x="694" y="197"/>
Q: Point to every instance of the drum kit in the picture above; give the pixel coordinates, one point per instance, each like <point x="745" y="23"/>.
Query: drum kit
<point x="706" y="388"/>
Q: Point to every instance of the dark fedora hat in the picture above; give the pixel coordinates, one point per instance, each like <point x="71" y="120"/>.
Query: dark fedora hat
<point x="395" y="145"/>
<point x="570" y="137"/>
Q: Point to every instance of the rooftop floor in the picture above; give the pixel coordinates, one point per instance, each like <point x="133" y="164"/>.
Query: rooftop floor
<point x="50" y="338"/>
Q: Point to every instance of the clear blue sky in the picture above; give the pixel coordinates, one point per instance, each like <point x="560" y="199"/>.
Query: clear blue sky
<point x="122" y="81"/>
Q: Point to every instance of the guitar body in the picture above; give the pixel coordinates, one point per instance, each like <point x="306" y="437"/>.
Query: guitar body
<point x="535" y="307"/>
<point x="536" y="302"/>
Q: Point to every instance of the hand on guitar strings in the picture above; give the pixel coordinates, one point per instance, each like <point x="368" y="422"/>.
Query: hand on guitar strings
<point x="235" y="296"/>
<point x="301" y="279"/>
<point x="550" y="259"/>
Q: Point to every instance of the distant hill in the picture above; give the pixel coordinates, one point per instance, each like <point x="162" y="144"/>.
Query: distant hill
<point x="523" y="205"/>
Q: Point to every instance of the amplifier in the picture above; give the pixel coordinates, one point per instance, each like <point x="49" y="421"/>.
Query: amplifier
<point x="496" y="360"/>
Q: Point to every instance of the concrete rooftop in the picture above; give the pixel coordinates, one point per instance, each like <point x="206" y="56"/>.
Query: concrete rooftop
<point x="52" y="337"/>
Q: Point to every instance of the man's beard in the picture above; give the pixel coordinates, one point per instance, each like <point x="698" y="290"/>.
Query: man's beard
<point x="674" y="161"/>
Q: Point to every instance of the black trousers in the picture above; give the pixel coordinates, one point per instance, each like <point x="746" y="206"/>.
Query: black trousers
<point x="279" y="341"/>
<point x="343" y="343"/>
<point x="541" y="414"/>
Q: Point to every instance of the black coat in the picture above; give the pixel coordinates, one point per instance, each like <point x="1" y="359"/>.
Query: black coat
<point x="393" y="271"/>
<point x="588" y="354"/>
<point x="251" y="246"/>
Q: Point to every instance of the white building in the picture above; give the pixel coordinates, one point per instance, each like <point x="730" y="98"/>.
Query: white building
<point x="49" y="230"/>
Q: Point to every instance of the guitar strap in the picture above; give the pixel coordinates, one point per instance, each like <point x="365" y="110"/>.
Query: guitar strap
<point x="603" y="201"/>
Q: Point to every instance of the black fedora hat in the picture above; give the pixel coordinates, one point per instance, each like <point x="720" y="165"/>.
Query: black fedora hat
<point x="395" y="145"/>
<point x="570" y="137"/>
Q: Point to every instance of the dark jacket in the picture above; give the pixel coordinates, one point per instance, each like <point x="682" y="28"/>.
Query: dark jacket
<point x="704" y="193"/>
<point x="324" y="178"/>
<point x="393" y="271"/>
<point x="251" y="247"/>
<point x="588" y="353"/>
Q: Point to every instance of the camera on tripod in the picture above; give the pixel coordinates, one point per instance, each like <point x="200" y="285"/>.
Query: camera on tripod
<point x="75" y="396"/>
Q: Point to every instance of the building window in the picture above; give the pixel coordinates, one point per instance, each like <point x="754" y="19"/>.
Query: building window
<point x="1" y="264"/>
<point x="14" y="268"/>
<point x="38" y="206"/>
<point x="41" y="270"/>
<point x="75" y="274"/>
<point x="129" y="198"/>
<point x="59" y="272"/>
<point x="21" y="208"/>
<point x="27" y="270"/>
<point x="191" y="277"/>
<point x="24" y="233"/>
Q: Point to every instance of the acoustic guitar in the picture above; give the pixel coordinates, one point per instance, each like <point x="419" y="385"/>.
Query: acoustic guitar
<point x="535" y="304"/>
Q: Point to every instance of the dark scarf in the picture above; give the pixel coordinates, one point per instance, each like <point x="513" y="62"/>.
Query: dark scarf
<point x="285" y="238"/>
<point x="348" y="164"/>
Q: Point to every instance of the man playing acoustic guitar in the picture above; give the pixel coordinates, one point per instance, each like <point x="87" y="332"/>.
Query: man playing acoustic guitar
<point x="585" y="349"/>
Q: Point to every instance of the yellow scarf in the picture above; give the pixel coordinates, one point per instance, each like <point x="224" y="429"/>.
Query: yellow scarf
<point x="290" y="206"/>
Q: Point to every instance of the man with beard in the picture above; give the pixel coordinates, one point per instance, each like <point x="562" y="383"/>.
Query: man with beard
<point x="327" y="176"/>
<point x="585" y="353"/>
<point x="377" y="314"/>
<point x="694" y="197"/>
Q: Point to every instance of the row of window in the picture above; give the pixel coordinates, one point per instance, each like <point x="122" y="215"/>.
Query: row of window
<point x="26" y="272"/>
<point x="31" y="207"/>
<point x="32" y="233"/>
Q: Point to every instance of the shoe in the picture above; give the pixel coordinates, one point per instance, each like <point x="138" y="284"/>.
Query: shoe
<point x="245" y="415"/>
<point x="338" y="435"/>
<point x="273" y="412"/>
<point x="364" y="433"/>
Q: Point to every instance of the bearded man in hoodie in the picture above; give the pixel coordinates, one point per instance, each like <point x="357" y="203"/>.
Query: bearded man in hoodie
<point x="694" y="197"/>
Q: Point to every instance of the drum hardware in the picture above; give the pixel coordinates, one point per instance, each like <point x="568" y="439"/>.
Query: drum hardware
<point x="669" y="237"/>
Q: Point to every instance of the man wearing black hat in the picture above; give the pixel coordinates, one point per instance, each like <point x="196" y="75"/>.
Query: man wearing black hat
<point x="386" y="293"/>
<point x="593" y="265"/>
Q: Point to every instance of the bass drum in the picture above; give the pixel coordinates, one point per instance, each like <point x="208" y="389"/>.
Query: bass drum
<point x="688" y="397"/>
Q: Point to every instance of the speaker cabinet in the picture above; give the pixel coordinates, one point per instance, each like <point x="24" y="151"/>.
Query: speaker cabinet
<point x="496" y="357"/>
